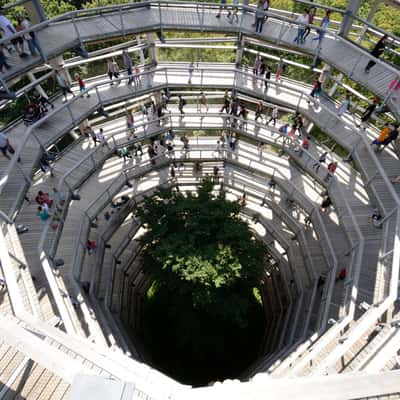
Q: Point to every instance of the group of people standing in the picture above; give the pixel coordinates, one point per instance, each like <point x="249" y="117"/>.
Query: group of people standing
<point x="132" y="70"/>
<point x="305" y="20"/>
<point x="18" y="43"/>
<point x="237" y="111"/>
<point x="263" y="72"/>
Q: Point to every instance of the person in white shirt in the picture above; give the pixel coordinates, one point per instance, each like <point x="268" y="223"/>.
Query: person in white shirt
<point x="8" y="29"/>
<point x="302" y="20"/>
<point x="274" y="116"/>
<point x="202" y="101"/>
<point x="191" y="70"/>
<point x="112" y="71"/>
<point x="101" y="138"/>
<point x="30" y="37"/>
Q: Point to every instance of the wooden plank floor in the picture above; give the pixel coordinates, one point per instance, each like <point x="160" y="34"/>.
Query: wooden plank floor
<point x="342" y="130"/>
<point x="360" y="205"/>
<point x="91" y="188"/>
<point x="82" y="147"/>
<point x="342" y="54"/>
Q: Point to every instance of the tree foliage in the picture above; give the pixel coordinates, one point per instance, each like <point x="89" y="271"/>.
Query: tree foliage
<point x="202" y="318"/>
<point x="199" y="248"/>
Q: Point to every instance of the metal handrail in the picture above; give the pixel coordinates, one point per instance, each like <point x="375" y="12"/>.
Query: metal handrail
<point x="344" y="12"/>
<point x="161" y="3"/>
<point x="384" y="177"/>
<point x="100" y="103"/>
<point x="281" y="85"/>
<point x="226" y="117"/>
<point x="290" y="88"/>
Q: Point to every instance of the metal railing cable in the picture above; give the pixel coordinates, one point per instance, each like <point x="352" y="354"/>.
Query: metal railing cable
<point x="161" y="5"/>
<point x="108" y="196"/>
<point x="205" y="74"/>
<point x="381" y="172"/>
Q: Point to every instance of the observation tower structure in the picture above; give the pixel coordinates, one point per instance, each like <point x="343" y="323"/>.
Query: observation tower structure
<point x="70" y="309"/>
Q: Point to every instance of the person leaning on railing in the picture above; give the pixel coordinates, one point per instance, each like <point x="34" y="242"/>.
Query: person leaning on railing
<point x="9" y="30"/>
<point x="302" y="20"/>
<point x="377" y="52"/>
<point x="307" y="30"/>
<point x="260" y="17"/>
<point x="30" y="37"/>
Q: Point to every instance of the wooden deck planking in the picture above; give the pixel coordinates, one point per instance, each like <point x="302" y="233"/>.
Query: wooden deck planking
<point x="334" y="51"/>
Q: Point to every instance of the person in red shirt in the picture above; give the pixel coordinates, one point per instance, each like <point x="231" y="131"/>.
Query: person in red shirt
<point x="331" y="170"/>
<point x="91" y="247"/>
<point x="341" y="275"/>
<point x="316" y="89"/>
<point x="43" y="198"/>
<point x="82" y="86"/>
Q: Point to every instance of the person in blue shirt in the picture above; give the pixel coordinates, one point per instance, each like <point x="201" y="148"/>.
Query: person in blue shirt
<point x="324" y="25"/>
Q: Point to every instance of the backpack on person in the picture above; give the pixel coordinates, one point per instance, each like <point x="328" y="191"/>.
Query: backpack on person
<point x="283" y="129"/>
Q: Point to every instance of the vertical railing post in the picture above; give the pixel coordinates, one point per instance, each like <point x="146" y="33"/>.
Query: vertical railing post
<point x="160" y="15"/>
<point x="76" y="28"/>
<point x="98" y="96"/>
<point x="114" y="142"/>
<point x="299" y="101"/>
<point x="74" y="123"/>
<point x="122" y="21"/>
<point x="166" y="78"/>
<point x="93" y="160"/>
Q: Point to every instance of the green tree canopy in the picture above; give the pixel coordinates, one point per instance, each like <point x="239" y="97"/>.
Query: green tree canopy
<point x="202" y="318"/>
<point x="199" y="248"/>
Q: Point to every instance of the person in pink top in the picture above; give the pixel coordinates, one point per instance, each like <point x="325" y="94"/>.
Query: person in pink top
<point x="393" y="88"/>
